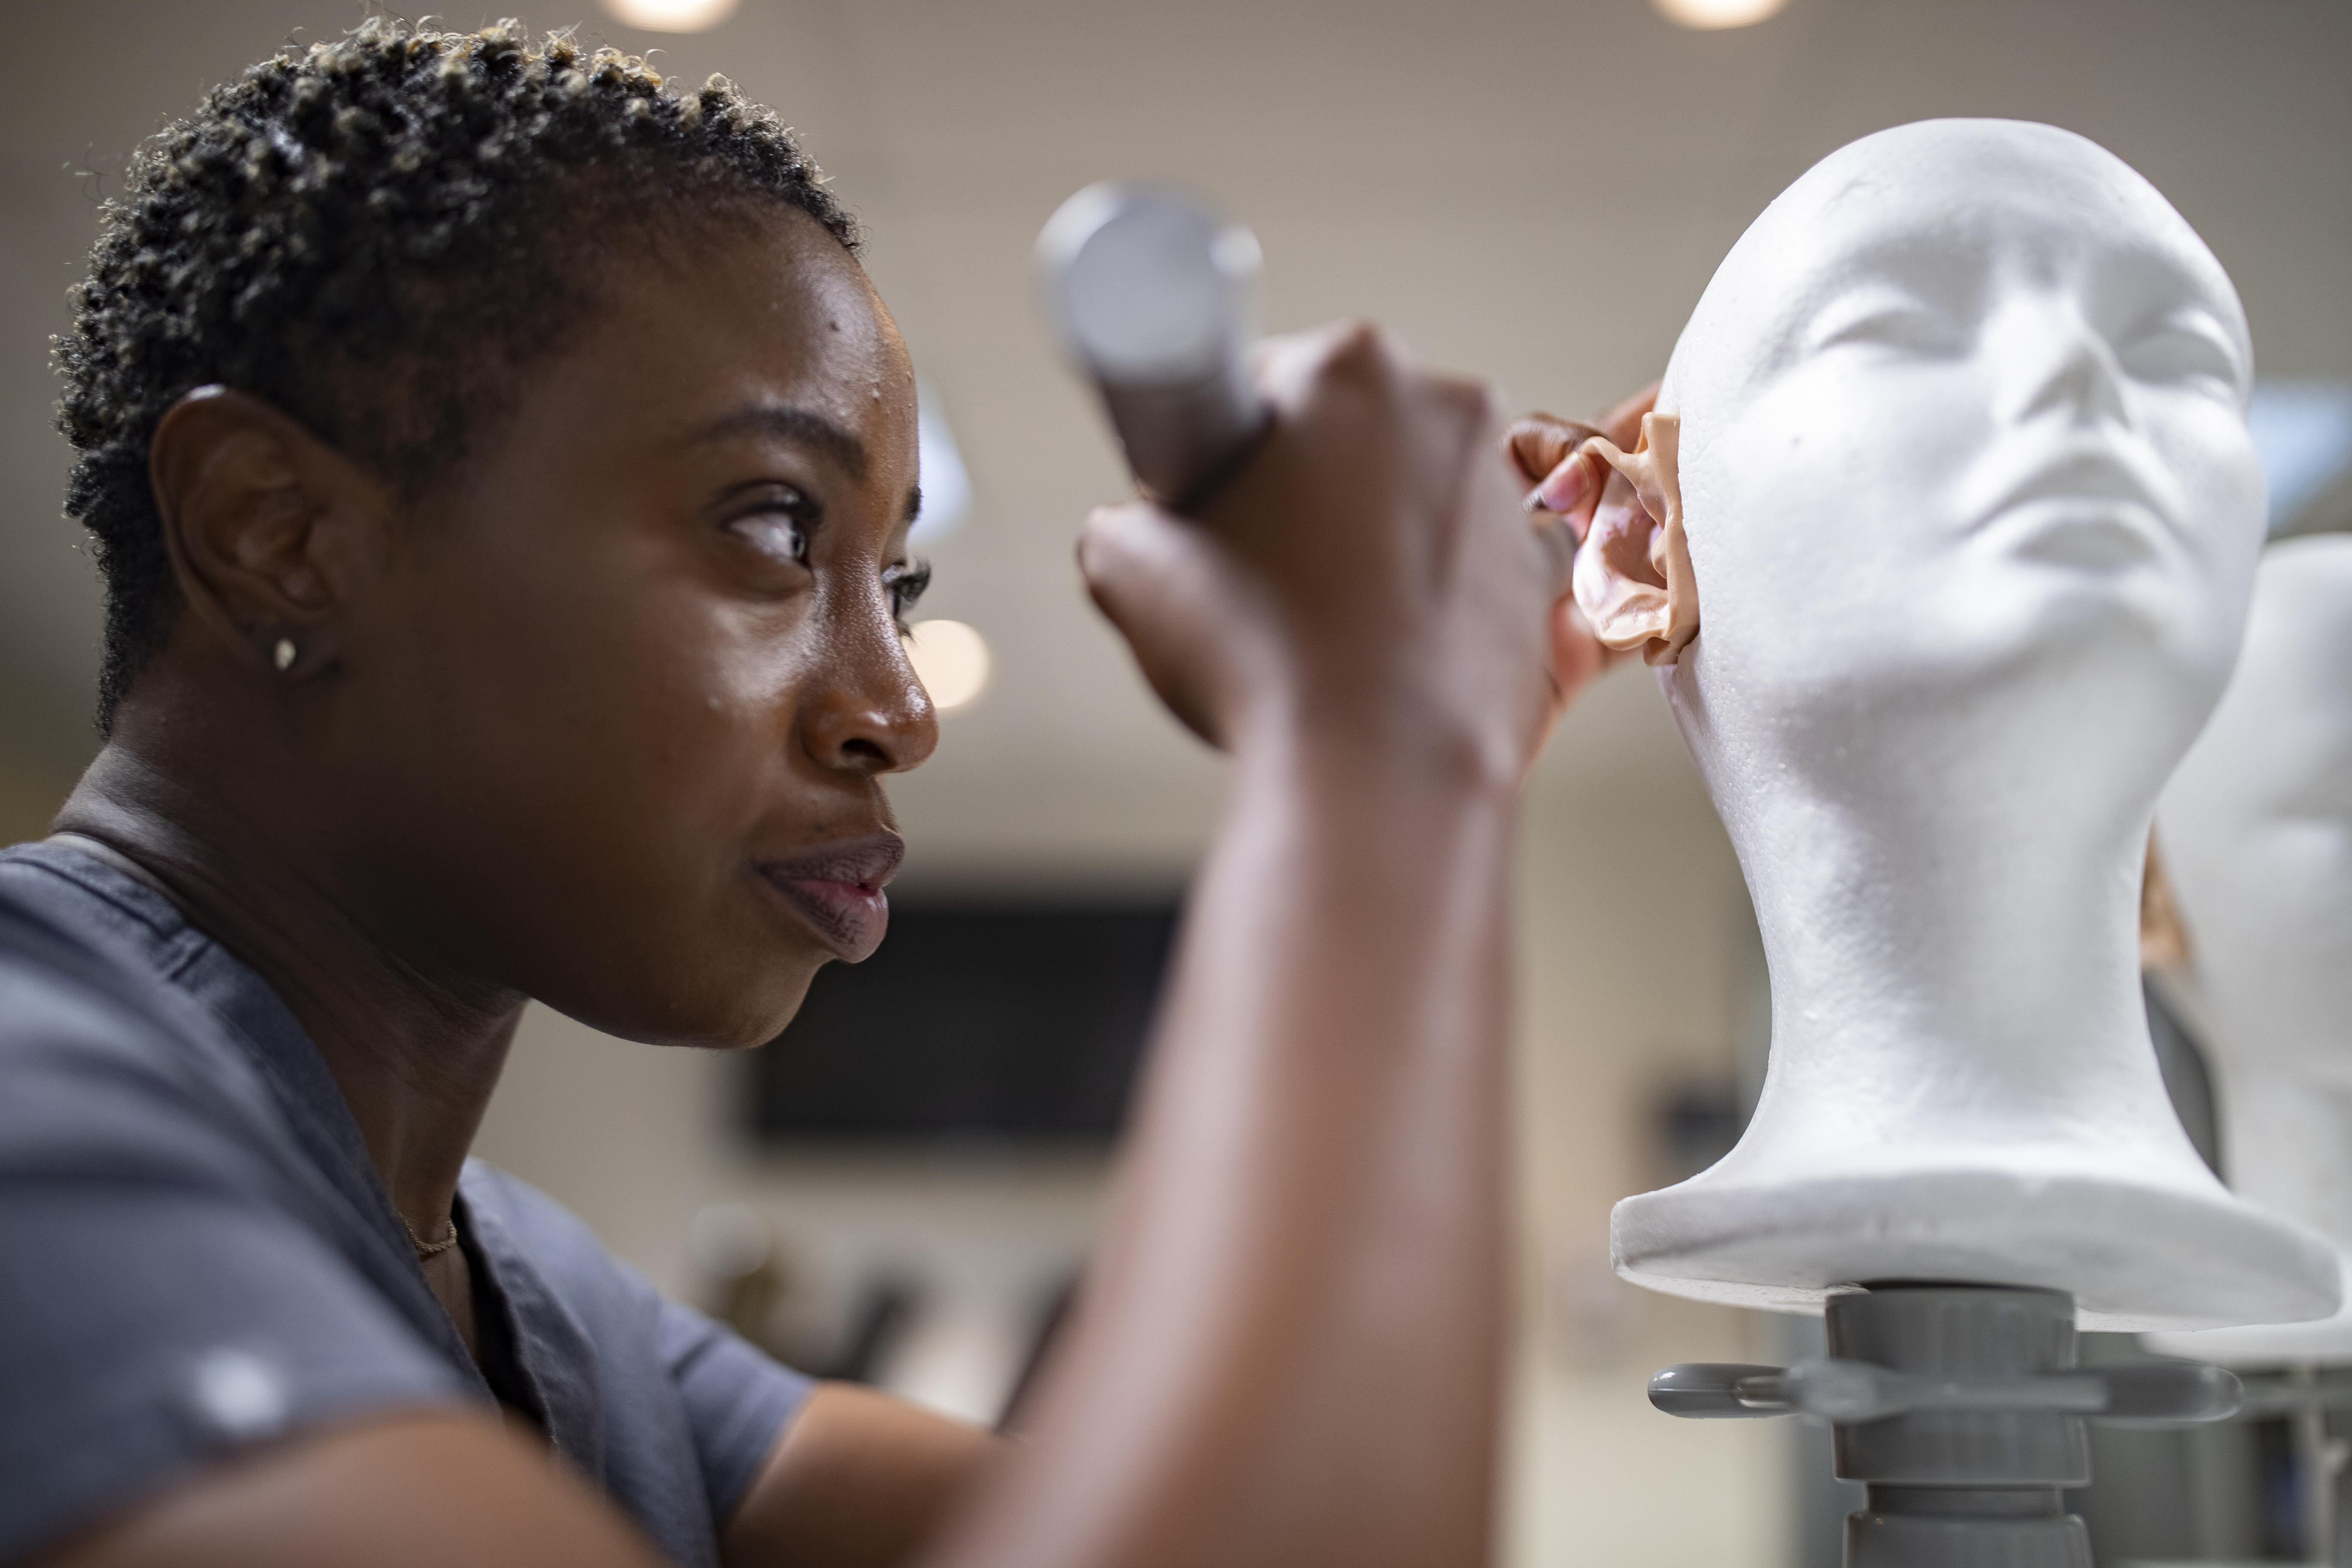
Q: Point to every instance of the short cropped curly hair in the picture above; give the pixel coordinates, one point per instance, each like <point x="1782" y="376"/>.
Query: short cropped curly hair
<point x="375" y="234"/>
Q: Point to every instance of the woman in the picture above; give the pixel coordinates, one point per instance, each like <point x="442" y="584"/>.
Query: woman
<point x="500" y="468"/>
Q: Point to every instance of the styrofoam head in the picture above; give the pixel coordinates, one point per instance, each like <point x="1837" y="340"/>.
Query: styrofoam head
<point x="1963" y="420"/>
<point x="2256" y="831"/>
<point x="2256" y="828"/>
<point x="1972" y="516"/>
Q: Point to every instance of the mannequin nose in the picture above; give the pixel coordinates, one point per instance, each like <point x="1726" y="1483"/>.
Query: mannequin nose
<point x="2064" y="367"/>
<point x="871" y="716"/>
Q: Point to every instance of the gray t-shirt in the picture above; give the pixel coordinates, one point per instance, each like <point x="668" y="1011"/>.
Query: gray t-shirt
<point x="196" y="1255"/>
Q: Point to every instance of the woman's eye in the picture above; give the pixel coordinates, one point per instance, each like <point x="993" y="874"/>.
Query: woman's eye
<point x="774" y="533"/>
<point x="906" y="584"/>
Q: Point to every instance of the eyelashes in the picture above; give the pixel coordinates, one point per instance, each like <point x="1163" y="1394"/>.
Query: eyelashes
<point x="906" y="584"/>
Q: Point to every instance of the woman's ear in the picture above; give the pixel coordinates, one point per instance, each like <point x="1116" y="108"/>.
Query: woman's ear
<point x="1633" y="576"/>
<point x="259" y="517"/>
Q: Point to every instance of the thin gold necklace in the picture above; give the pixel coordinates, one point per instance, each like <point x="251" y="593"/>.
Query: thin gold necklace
<point x="425" y="1248"/>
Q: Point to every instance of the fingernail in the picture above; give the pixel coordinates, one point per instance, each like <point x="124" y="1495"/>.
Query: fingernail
<point x="1563" y="487"/>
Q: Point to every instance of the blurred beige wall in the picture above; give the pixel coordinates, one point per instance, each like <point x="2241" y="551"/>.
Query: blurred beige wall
<point x="25" y="807"/>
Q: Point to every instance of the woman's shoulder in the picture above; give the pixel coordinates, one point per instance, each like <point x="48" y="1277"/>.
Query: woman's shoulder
<point x="144" y="1069"/>
<point x="204" y="1285"/>
<point x="96" y="1043"/>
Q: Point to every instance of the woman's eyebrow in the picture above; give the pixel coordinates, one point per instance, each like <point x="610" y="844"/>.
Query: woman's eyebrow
<point x="801" y="425"/>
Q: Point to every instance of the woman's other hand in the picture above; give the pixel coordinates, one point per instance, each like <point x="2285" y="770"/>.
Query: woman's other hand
<point x="1543" y="451"/>
<point x="1369" y="581"/>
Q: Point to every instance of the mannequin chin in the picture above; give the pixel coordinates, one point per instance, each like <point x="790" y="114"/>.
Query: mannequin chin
<point x="1973" y="518"/>
<point x="2257" y="832"/>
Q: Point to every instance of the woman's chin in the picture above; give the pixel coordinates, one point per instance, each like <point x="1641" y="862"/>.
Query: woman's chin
<point x="702" y="1011"/>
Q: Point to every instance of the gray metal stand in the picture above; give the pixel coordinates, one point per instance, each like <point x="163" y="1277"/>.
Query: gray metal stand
<point x="1962" y="1409"/>
<point x="2306" y="1397"/>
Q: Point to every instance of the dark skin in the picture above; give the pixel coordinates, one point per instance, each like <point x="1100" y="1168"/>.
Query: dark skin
<point x="589" y="692"/>
<point x="651" y="691"/>
<point x="606" y="724"/>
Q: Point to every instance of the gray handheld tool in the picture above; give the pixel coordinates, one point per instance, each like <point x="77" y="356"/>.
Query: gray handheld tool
<point x="1151" y="291"/>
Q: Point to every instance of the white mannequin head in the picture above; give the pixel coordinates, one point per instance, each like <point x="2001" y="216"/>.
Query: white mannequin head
<point x="1971" y="514"/>
<point x="2256" y="831"/>
<point x="1966" y="481"/>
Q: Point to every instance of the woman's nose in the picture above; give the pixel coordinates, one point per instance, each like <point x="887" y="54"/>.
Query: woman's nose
<point x="868" y="713"/>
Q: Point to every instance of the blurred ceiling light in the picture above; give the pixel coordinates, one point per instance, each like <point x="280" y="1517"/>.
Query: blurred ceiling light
<point x="952" y="661"/>
<point x="1708" y="15"/>
<point x="672" y="15"/>
<point x="947" y="486"/>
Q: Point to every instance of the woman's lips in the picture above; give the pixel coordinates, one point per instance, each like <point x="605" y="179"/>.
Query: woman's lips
<point x="850" y="916"/>
<point x="839" y="889"/>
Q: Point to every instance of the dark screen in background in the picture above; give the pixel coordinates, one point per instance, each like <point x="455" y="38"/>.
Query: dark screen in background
<point x="1022" y="1021"/>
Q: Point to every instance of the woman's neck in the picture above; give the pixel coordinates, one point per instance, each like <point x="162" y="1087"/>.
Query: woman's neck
<point x="416" y="1055"/>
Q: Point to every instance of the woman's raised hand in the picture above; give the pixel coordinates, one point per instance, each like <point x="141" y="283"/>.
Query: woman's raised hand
<point x="1543" y="451"/>
<point x="1371" y="581"/>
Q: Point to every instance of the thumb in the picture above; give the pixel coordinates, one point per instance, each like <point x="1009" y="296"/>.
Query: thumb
<point x="1157" y="579"/>
<point x="1118" y="549"/>
<point x="1541" y="442"/>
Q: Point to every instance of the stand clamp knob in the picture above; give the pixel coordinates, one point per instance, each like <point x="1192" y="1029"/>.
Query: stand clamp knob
<point x="1850" y="1392"/>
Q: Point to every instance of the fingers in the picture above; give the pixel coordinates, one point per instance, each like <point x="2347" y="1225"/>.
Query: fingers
<point x="1148" y="572"/>
<point x="1544" y="447"/>
<point x="1623" y="424"/>
<point x="1569" y="490"/>
<point x="1556" y="542"/>
<point x="1540" y="442"/>
<point x="1290" y="366"/>
<point x="1129" y="556"/>
<point x="1382" y="513"/>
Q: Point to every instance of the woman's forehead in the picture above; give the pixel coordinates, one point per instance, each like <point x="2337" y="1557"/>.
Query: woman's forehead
<point x="768" y="313"/>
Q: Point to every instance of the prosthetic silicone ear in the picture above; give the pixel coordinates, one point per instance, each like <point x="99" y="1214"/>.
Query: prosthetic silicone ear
<point x="1633" y="576"/>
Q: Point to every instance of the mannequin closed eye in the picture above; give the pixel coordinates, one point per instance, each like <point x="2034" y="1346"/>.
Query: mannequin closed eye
<point x="1903" y="290"/>
<point x="1891" y="319"/>
<point x="2184" y="347"/>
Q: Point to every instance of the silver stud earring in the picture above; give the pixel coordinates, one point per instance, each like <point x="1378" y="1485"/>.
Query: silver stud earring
<point x="284" y="654"/>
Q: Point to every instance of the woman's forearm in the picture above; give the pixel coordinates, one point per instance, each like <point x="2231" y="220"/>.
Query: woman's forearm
<point x="1300" y="1312"/>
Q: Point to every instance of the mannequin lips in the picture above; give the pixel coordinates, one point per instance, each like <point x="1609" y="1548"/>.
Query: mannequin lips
<point x="2088" y="508"/>
<point x="837" y="888"/>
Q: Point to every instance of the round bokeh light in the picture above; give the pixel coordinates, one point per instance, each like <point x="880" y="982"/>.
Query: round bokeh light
<point x="952" y="661"/>
<point x="672" y="15"/>
<point x="1708" y="15"/>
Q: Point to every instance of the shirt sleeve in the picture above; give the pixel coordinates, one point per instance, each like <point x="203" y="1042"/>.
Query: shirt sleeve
<point x="738" y="1401"/>
<point x="157" y="1312"/>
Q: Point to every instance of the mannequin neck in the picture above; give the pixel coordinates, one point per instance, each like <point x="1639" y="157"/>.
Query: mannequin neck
<point x="1961" y="948"/>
